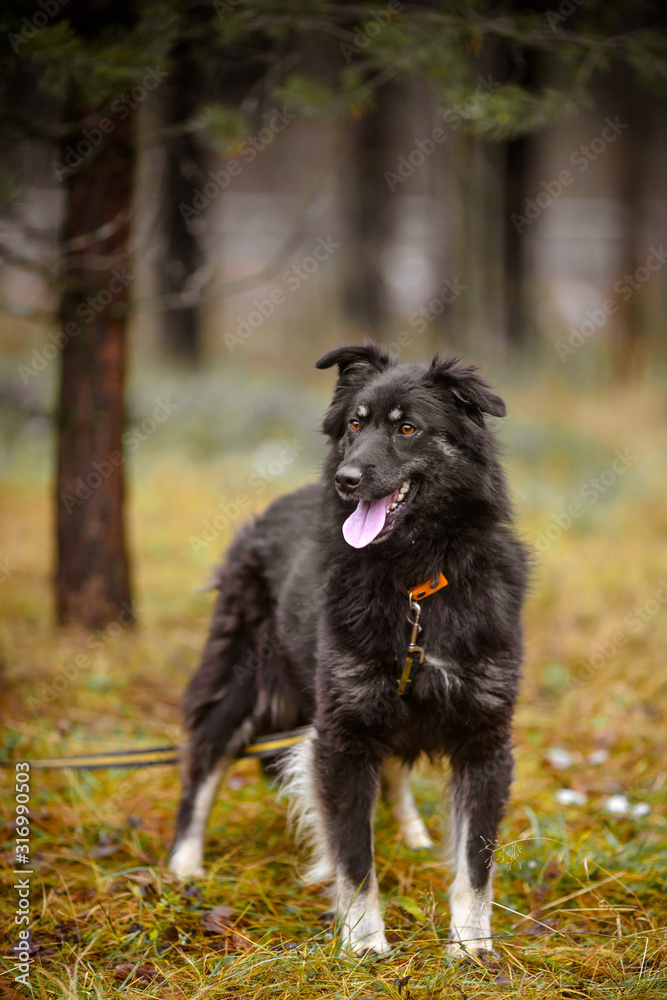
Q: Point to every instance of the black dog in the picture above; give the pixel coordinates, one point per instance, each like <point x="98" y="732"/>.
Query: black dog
<point x="314" y="625"/>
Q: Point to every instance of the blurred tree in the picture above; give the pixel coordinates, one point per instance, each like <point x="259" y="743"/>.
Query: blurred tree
<point x="102" y="59"/>
<point x="182" y="255"/>
<point x="369" y="206"/>
<point x="100" y="64"/>
<point x="92" y="571"/>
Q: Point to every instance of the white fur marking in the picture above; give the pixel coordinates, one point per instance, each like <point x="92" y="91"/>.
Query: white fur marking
<point x="359" y="910"/>
<point x="362" y="411"/>
<point x="446" y="448"/>
<point x="402" y="805"/>
<point x="188" y="855"/>
<point x="396" y="413"/>
<point x="299" y="785"/>
<point x="470" y="926"/>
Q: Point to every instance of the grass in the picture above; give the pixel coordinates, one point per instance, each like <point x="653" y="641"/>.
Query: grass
<point x="580" y="892"/>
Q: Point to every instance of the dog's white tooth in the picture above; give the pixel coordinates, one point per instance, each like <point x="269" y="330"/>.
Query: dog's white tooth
<point x="405" y="484"/>
<point x="393" y="506"/>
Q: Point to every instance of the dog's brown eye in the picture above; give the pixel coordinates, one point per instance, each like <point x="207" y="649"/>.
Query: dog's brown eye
<point x="354" y="425"/>
<point x="407" y="429"/>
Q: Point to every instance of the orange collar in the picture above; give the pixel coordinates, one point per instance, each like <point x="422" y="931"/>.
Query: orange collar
<point x="423" y="590"/>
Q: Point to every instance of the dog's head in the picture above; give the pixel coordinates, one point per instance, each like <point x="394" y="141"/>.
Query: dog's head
<point x="410" y="442"/>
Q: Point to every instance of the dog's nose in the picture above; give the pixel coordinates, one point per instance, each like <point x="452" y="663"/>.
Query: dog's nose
<point x="348" y="479"/>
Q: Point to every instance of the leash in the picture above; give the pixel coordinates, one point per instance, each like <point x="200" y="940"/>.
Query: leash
<point x="265" y="746"/>
<point x="416" y="594"/>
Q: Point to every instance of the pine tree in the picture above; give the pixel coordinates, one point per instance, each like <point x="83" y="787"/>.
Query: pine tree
<point x="99" y="61"/>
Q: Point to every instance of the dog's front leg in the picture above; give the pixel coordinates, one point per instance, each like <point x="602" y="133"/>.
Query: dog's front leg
<point x="480" y="787"/>
<point x="348" y="782"/>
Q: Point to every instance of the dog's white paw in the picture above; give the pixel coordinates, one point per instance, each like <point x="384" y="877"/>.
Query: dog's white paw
<point x="361" y="917"/>
<point x="186" y="861"/>
<point x="360" y="942"/>
<point x="415" y="834"/>
<point x="477" y="948"/>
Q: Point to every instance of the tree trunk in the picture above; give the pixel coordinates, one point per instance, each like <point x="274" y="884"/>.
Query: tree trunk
<point x="92" y="574"/>
<point x="369" y="211"/>
<point x="182" y="256"/>
<point x="517" y="286"/>
<point x="628" y="348"/>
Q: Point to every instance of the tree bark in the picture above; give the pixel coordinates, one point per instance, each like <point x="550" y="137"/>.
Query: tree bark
<point x="92" y="573"/>
<point x="369" y="210"/>
<point x="182" y="256"/>
<point x="517" y="291"/>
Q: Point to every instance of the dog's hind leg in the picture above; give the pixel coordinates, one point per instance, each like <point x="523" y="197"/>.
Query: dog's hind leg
<point x="214" y="743"/>
<point x="480" y="788"/>
<point x="227" y="697"/>
<point x="398" y="796"/>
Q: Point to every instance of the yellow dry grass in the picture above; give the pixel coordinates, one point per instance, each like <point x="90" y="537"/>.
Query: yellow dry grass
<point x="580" y="892"/>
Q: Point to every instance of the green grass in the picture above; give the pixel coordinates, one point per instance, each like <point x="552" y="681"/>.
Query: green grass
<point x="580" y="893"/>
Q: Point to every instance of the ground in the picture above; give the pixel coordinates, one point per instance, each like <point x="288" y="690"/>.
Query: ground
<point x="580" y="889"/>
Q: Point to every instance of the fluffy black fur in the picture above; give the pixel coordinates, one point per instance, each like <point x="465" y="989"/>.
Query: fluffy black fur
<point x="307" y="629"/>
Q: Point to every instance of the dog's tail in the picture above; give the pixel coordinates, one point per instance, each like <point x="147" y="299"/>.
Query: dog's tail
<point x="242" y="636"/>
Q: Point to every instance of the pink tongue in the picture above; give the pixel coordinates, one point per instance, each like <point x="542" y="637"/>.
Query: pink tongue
<point x="366" y="522"/>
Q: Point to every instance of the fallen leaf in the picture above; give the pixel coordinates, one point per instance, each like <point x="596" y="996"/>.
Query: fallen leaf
<point x="534" y="929"/>
<point x="105" y="850"/>
<point x="218" y="920"/>
<point x="144" y="974"/>
<point x="503" y="979"/>
<point x="233" y="941"/>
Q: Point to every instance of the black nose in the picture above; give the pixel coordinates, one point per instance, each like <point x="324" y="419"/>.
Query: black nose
<point x="348" y="478"/>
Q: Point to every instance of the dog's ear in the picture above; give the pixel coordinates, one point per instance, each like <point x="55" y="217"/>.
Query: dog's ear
<point x="470" y="390"/>
<point x="356" y="364"/>
<point x="357" y="357"/>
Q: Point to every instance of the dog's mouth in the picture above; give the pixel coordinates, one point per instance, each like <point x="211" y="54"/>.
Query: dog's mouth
<point x="373" y="519"/>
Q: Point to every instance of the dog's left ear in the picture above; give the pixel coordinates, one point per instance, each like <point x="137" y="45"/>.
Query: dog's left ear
<point x="471" y="391"/>
<point x="356" y="364"/>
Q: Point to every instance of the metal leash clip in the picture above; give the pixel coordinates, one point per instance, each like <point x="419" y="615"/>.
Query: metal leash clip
<point x="416" y="629"/>
<point x="413" y="648"/>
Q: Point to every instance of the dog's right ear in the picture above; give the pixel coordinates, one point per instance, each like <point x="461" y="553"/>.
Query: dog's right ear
<point x="356" y="364"/>
<point x="366" y="356"/>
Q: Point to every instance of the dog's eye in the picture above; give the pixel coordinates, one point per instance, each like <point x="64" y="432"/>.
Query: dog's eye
<point x="354" y="425"/>
<point x="407" y="429"/>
